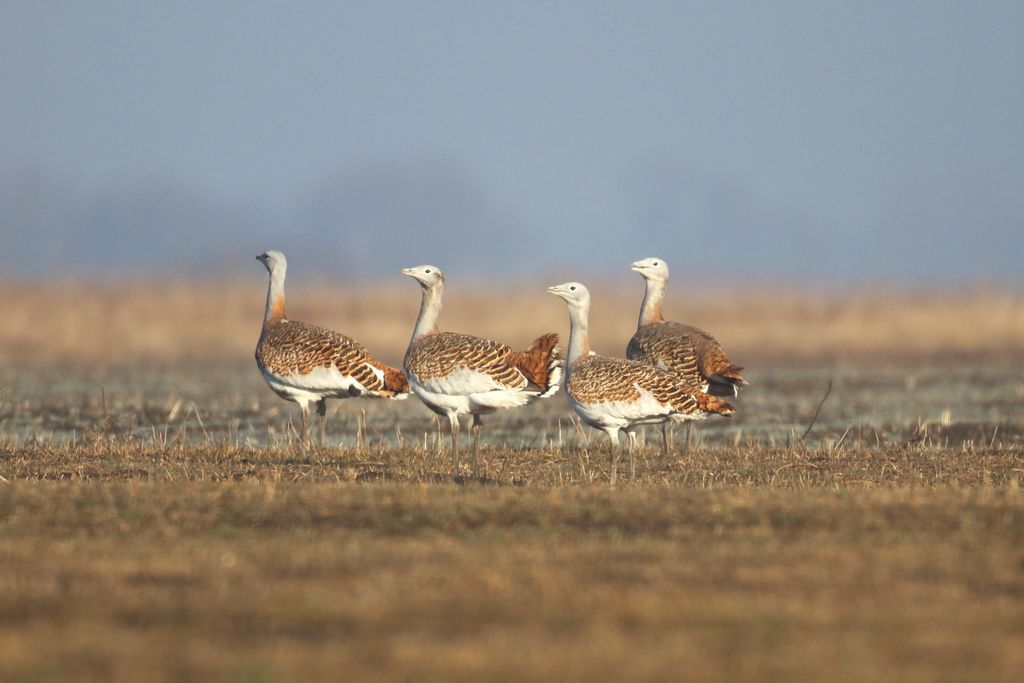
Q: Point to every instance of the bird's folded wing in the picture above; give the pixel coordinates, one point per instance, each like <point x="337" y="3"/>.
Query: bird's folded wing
<point x="462" y="364"/>
<point x="294" y="349"/>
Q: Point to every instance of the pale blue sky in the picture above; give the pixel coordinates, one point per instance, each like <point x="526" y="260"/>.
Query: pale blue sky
<point x="785" y="139"/>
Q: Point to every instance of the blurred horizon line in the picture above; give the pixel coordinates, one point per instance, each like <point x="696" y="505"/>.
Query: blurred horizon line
<point x="601" y="280"/>
<point x="433" y="212"/>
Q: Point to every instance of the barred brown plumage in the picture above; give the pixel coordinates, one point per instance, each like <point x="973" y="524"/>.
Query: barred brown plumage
<point x="597" y="379"/>
<point x="613" y="394"/>
<point x="535" y="362"/>
<point x="686" y="350"/>
<point x="678" y="355"/>
<point x="689" y="352"/>
<point x="442" y="353"/>
<point x="296" y="348"/>
<point x="458" y="374"/>
<point x="307" y="364"/>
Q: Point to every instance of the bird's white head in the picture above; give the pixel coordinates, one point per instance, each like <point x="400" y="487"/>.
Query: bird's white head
<point x="574" y="294"/>
<point x="652" y="269"/>
<point x="428" y="276"/>
<point x="274" y="261"/>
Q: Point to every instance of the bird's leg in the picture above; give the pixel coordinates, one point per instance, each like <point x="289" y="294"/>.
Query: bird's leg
<point x="304" y="409"/>
<point x="689" y="436"/>
<point x="613" y="452"/>
<point x="454" y="419"/>
<point x="632" y="454"/>
<point x="477" y="423"/>
<point x="666" y="438"/>
<point x="321" y="411"/>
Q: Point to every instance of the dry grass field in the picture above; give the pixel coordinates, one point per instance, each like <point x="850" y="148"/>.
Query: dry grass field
<point x="158" y="522"/>
<point x="170" y="321"/>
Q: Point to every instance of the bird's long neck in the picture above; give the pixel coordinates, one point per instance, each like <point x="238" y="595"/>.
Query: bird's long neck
<point x="579" y="336"/>
<point x="430" y="308"/>
<point x="650" y="310"/>
<point x="274" y="312"/>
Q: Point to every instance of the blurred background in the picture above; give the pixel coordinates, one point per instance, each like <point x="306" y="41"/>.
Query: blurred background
<point x="834" y="143"/>
<point x="827" y="181"/>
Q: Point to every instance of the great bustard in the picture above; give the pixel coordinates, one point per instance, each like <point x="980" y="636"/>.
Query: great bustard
<point x="457" y="374"/>
<point x="613" y="394"/>
<point x="308" y="364"/>
<point x="688" y="351"/>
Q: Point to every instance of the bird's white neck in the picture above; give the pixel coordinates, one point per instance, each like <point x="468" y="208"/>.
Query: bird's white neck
<point x="430" y="309"/>
<point x="579" y="335"/>
<point x="650" y="310"/>
<point x="274" y="312"/>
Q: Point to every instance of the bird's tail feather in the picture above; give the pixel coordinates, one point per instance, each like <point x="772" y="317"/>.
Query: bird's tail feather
<point x="541" y="364"/>
<point x="395" y="383"/>
<point x="726" y="381"/>
<point x="710" y="403"/>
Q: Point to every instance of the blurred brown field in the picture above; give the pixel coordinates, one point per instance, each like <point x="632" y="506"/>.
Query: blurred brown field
<point x="173" y="320"/>
<point x="132" y="563"/>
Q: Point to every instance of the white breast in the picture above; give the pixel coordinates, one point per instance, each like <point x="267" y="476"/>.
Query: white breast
<point x="645" y="409"/>
<point x="467" y="391"/>
<point x="439" y="402"/>
<point x="322" y="382"/>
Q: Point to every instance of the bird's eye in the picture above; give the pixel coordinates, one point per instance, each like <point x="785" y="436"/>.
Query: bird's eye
<point x="573" y="288"/>
<point x="427" y="271"/>
<point x="655" y="263"/>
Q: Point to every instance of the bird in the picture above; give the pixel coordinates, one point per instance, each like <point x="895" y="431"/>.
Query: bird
<point x="458" y="374"/>
<point x="688" y="351"/>
<point x="613" y="394"/>
<point x="307" y="364"/>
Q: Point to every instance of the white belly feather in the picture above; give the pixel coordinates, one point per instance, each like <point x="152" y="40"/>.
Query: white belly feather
<point x="645" y="409"/>
<point x="320" y="383"/>
<point x="468" y="391"/>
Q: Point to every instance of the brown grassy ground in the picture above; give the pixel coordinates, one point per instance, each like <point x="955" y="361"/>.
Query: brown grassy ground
<point x="209" y="563"/>
<point x="121" y="323"/>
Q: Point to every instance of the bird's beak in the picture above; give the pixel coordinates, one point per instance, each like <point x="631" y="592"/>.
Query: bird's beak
<point x="636" y="266"/>
<point x="260" y="257"/>
<point x="554" y="290"/>
<point x="407" y="271"/>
